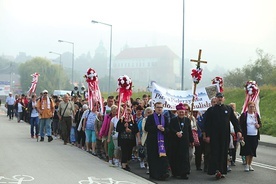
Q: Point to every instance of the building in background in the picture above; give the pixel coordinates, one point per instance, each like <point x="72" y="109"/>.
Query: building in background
<point x="145" y="64"/>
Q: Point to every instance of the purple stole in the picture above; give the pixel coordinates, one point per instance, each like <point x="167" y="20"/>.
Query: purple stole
<point x="160" y="136"/>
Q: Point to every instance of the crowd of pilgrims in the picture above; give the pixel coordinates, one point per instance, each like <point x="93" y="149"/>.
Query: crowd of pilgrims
<point x="163" y="141"/>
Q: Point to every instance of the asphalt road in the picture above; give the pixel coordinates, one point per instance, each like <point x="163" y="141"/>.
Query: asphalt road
<point x="24" y="160"/>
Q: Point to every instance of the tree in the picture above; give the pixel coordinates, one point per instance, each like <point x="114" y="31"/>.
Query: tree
<point x="50" y="74"/>
<point x="262" y="71"/>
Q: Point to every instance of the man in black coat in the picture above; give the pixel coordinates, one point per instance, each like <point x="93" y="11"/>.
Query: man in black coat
<point x="218" y="120"/>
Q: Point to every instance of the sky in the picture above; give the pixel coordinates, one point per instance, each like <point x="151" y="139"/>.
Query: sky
<point x="227" y="31"/>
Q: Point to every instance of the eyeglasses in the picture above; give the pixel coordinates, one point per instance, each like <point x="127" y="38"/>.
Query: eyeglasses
<point x="159" y="107"/>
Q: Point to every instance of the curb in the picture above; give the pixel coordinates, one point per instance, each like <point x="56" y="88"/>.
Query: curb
<point x="268" y="144"/>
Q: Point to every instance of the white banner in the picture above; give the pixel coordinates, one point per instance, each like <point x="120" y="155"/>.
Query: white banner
<point x="4" y="88"/>
<point x="170" y="98"/>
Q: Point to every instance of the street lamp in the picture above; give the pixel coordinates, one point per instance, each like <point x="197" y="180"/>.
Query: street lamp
<point x="72" y="58"/>
<point x="110" y="52"/>
<point x="60" y="65"/>
<point x="182" y="68"/>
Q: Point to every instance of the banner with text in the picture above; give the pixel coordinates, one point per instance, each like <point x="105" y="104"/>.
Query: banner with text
<point x="4" y="88"/>
<point x="170" y="98"/>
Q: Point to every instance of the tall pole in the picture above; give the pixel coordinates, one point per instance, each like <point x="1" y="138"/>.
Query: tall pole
<point x="182" y="68"/>
<point x="11" y="77"/>
<point x="110" y="52"/>
<point x="59" y="83"/>
<point x="109" y="77"/>
<point x="73" y="60"/>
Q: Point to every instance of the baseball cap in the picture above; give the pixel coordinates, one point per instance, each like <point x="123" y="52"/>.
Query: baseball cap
<point x="219" y="95"/>
<point x="44" y="91"/>
<point x="85" y="106"/>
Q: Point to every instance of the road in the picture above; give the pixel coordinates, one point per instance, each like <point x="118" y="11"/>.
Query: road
<point x="23" y="158"/>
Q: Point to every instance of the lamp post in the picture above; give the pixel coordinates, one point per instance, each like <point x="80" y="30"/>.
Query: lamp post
<point x="60" y="65"/>
<point x="72" y="58"/>
<point x="182" y="68"/>
<point x="110" y="51"/>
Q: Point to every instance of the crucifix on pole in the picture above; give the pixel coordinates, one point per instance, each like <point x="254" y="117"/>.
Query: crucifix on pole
<point x="196" y="74"/>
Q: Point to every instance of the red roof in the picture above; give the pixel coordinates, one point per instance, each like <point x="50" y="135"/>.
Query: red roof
<point x="147" y="52"/>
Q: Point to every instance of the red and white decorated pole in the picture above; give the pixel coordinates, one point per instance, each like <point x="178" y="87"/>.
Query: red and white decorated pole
<point x="93" y="90"/>
<point x="219" y="82"/>
<point x="125" y="91"/>
<point x="33" y="84"/>
<point x="252" y="92"/>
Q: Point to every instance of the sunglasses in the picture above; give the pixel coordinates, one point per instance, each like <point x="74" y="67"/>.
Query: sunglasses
<point x="45" y="93"/>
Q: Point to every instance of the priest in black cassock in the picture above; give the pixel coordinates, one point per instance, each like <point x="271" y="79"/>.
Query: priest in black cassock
<point x="217" y="130"/>
<point x="180" y="140"/>
<point x="157" y="128"/>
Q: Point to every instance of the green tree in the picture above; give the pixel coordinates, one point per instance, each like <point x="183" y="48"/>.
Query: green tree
<point x="262" y="71"/>
<point x="50" y="74"/>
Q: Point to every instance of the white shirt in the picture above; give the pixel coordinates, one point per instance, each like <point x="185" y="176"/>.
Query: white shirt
<point x="251" y="121"/>
<point x="114" y="120"/>
<point x="107" y="110"/>
<point x="10" y="100"/>
<point x="19" y="109"/>
<point x="34" y="112"/>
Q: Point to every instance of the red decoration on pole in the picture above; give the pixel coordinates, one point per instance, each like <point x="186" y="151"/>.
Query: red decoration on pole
<point x="93" y="90"/>
<point x="252" y="94"/>
<point x="33" y="84"/>
<point x="125" y="91"/>
<point x="196" y="75"/>
<point x="219" y="81"/>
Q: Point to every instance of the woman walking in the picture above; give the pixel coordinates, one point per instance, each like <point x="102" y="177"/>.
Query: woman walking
<point x="250" y="123"/>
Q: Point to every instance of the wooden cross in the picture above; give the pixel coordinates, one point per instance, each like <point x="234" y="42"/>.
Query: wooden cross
<point x="198" y="66"/>
<point x="198" y="60"/>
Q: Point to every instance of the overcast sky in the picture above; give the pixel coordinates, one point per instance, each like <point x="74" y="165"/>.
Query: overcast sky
<point x="227" y="31"/>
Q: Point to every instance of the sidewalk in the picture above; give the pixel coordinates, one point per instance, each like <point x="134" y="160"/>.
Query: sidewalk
<point x="267" y="140"/>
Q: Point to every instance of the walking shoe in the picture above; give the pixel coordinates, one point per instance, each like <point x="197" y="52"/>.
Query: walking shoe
<point x="111" y="163"/>
<point x="41" y="139"/>
<point x="50" y="138"/>
<point x="142" y="165"/>
<point x="218" y="175"/>
<point x="246" y="168"/>
<point x="251" y="168"/>
<point x="229" y="168"/>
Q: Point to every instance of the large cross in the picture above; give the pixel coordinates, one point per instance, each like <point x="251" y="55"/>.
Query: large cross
<point x="198" y="60"/>
<point x="198" y="66"/>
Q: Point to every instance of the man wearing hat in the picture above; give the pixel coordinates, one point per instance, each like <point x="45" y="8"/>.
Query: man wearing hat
<point x="10" y="100"/>
<point x="180" y="140"/>
<point x="46" y="109"/>
<point x="217" y="132"/>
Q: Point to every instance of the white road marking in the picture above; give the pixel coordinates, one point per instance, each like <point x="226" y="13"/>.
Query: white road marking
<point x="270" y="167"/>
<point x="94" y="180"/>
<point x="16" y="179"/>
